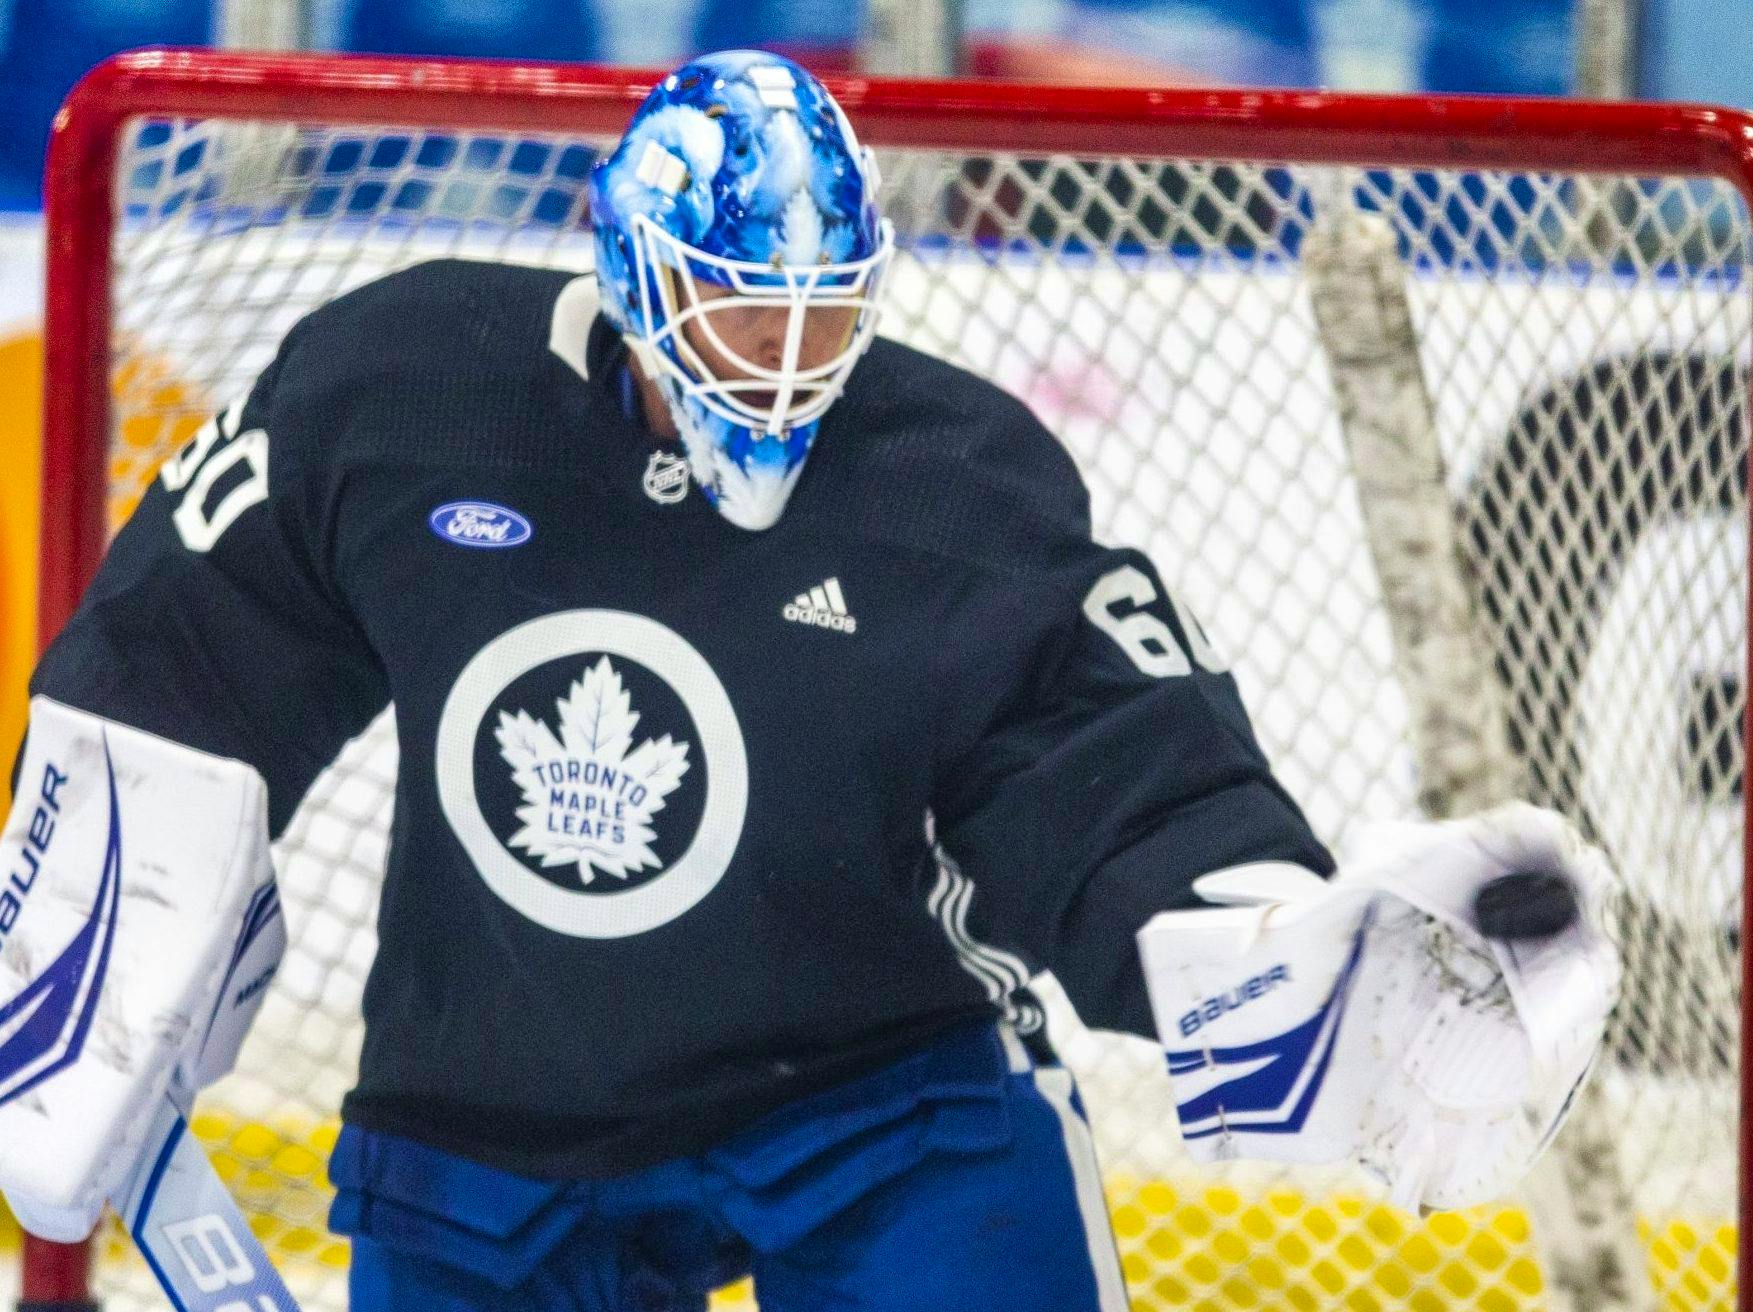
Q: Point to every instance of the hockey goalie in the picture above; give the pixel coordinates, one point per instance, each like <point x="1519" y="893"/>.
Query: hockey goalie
<point x="767" y="718"/>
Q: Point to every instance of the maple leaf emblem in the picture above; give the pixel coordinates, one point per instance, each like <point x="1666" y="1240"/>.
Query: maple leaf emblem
<point x="589" y="794"/>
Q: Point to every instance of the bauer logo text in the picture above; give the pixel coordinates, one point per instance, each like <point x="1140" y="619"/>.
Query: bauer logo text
<point x="28" y="864"/>
<point x="1229" y="1000"/>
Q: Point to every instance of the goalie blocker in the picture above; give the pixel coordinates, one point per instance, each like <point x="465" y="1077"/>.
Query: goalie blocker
<point x="1372" y="1018"/>
<point x="139" y="927"/>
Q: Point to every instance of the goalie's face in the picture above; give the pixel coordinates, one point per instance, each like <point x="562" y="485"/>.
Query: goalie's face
<point x="732" y="328"/>
<point x="740" y="343"/>
<point x="764" y="347"/>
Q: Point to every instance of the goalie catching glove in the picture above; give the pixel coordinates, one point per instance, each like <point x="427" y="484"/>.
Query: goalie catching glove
<point x="1371" y="1019"/>
<point x="138" y="929"/>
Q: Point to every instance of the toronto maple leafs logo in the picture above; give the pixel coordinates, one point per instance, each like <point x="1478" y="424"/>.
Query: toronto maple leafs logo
<point x="589" y="794"/>
<point x="594" y="830"/>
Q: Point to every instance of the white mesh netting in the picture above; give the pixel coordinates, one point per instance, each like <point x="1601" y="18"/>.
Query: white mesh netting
<point x="1584" y="346"/>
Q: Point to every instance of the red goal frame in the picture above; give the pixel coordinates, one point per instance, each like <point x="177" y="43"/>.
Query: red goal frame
<point x="1294" y="127"/>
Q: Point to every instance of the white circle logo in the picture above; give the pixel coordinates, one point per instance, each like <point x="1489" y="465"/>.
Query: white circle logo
<point x="590" y="797"/>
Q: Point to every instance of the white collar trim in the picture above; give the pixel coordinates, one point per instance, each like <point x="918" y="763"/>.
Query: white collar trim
<point x="569" y="330"/>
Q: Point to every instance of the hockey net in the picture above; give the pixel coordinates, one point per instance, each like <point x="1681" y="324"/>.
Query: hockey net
<point x="1450" y="461"/>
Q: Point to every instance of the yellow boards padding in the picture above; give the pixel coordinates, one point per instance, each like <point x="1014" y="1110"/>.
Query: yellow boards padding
<point x="159" y="413"/>
<point x="21" y="417"/>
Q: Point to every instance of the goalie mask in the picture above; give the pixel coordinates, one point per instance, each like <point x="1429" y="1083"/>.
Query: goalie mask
<point x="739" y="250"/>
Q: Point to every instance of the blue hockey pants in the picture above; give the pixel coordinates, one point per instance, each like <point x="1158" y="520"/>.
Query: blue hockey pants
<point x="961" y="1179"/>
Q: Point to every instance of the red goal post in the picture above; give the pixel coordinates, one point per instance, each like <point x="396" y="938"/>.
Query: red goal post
<point x="1280" y="127"/>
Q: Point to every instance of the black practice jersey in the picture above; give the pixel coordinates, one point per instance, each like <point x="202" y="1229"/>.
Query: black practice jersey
<point x="690" y="821"/>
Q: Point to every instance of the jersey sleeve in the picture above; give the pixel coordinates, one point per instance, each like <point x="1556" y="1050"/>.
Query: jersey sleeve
<point x="1116" y="766"/>
<point x="214" y="621"/>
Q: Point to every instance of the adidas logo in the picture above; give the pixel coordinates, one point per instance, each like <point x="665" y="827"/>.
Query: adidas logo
<point x="824" y="606"/>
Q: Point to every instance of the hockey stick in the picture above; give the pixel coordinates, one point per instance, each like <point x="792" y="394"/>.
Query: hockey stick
<point x="190" y="1231"/>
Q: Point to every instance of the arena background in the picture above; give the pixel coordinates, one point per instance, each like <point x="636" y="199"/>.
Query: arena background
<point x="1684" y="49"/>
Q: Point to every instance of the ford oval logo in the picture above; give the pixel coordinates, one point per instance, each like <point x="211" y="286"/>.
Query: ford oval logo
<point x="479" y="524"/>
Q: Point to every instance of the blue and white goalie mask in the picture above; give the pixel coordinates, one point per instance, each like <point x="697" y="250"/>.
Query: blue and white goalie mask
<point x="740" y="250"/>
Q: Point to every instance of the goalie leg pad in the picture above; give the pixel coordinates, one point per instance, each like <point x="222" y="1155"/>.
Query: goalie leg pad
<point x="130" y="863"/>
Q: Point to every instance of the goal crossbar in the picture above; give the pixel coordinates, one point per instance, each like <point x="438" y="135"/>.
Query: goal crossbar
<point x="1292" y="127"/>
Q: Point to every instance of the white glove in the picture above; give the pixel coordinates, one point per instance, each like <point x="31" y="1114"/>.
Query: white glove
<point x="1369" y="1019"/>
<point x="132" y="863"/>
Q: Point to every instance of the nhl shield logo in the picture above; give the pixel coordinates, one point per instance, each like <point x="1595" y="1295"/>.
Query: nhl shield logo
<point x="593" y="768"/>
<point x="666" y="478"/>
